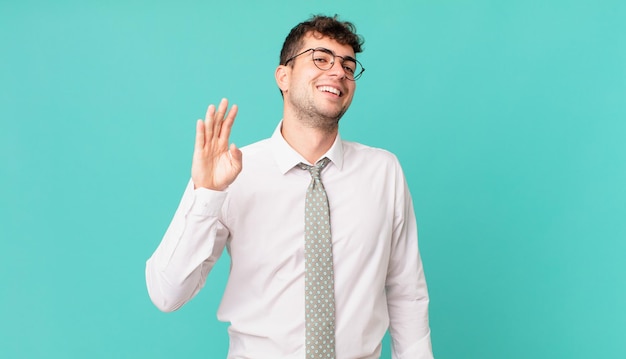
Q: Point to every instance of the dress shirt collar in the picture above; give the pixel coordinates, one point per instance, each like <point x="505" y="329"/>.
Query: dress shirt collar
<point x="286" y="157"/>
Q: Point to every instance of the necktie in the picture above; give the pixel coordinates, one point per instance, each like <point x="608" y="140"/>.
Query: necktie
<point x="318" y="279"/>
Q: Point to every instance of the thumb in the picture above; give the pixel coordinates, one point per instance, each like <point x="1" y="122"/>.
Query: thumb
<point x="235" y="153"/>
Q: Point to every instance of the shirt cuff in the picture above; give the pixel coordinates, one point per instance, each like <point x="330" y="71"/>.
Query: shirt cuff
<point x="207" y="202"/>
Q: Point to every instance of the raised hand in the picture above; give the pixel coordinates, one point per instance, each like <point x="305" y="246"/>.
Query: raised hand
<point x="215" y="165"/>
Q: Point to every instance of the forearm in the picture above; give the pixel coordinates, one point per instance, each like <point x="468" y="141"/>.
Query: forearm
<point x="190" y="247"/>
<point x="407" y="293"/>
<point x="407" y="297"/>
<point x="408" y="319"/>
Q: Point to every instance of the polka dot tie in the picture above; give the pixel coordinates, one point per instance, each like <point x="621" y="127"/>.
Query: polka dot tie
<point x="319" y="284"/>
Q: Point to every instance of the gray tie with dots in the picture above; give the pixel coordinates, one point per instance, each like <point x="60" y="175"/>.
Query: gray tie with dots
<point x="319" y="284"/>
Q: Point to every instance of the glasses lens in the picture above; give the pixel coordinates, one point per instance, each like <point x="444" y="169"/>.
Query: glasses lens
<point x="323" y="59"/>
<point x="351" y="68"/>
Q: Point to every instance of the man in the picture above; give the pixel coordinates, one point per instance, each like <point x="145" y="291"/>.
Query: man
<point x="320" y="231"/>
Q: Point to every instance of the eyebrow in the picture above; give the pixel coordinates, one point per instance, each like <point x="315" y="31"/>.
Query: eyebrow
<point x="347" y="57"/>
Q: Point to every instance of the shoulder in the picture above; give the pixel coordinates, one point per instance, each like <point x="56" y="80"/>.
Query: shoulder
<point x="372" y="162"/>
<point x="256" y="147"/>
<point x="257" y="151"/>
<point x="259" y="158"/>
<point x="360" y="153"/>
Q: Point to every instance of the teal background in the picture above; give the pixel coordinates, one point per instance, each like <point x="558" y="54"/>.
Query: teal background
<point x="508" y="117"/>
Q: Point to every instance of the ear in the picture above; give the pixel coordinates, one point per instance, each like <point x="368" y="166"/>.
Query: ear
<point x="282" y="76"/>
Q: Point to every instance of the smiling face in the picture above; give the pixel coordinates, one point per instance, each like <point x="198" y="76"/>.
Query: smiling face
<point x="316" y="97"/>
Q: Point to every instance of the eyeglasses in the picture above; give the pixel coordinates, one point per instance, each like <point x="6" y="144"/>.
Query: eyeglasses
<point x="324" y="59"/>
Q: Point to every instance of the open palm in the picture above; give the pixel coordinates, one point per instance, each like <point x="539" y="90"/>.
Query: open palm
<point x="215" y="164"/>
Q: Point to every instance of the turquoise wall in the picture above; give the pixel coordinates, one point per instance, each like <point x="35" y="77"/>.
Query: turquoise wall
<point x="508" y="117"/>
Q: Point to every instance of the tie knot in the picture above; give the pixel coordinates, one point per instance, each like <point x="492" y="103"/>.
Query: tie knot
<point x="316" y="169"/>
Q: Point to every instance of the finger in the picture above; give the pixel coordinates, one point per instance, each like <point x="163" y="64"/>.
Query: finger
<point x="235" y="154"/>
<point x="199" y="135"/>
<point x="219" y="116"/>
<point x="228" y="124"/>
<point x="208" y="122"/>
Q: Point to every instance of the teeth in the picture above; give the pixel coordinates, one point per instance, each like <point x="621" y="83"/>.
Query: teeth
<point x="330" y="89"/>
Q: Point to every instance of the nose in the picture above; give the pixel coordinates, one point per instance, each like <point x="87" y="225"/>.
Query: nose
<point x="337" y="69"/>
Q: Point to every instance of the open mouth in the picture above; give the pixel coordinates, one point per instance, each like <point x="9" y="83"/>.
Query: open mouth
<point x="330" y="89"/>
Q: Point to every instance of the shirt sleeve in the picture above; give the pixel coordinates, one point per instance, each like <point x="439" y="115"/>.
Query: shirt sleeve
<point x="407" y="294"/>
<point x="193" y="242"/>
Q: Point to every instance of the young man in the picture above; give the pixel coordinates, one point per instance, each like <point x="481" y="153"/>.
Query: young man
<point x="321" y="231"/>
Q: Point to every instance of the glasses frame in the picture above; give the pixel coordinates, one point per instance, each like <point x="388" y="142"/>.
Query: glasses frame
<point x="330" y="52"/>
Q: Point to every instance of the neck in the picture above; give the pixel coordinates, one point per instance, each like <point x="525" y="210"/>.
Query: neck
<point x="310" y="142"/>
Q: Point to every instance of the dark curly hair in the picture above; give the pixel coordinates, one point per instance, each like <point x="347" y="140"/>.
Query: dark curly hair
<point x="343" y="32"/>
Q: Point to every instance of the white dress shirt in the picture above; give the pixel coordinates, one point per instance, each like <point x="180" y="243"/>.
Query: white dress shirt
<point x="379" y="280"/>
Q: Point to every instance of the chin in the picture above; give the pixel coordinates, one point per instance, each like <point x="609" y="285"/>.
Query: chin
<point x="332" y="112"/>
